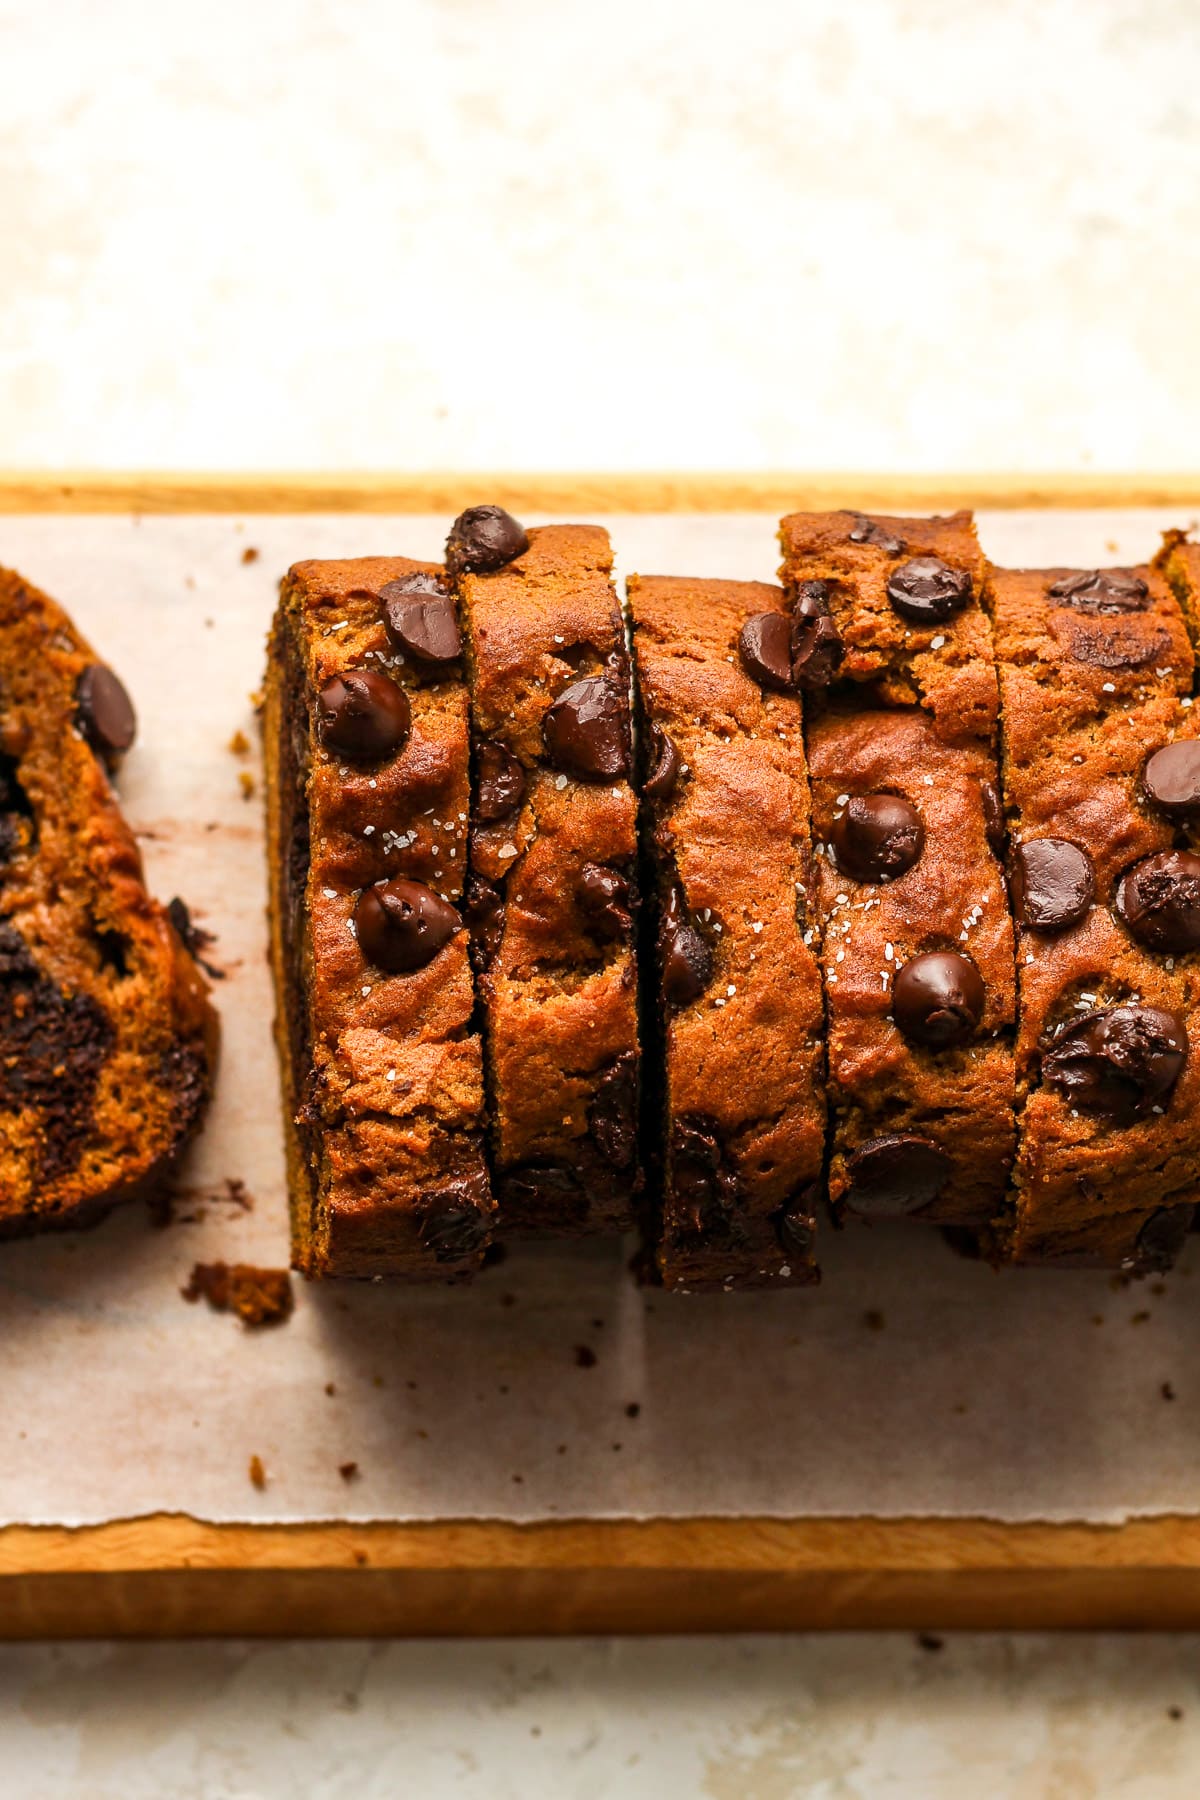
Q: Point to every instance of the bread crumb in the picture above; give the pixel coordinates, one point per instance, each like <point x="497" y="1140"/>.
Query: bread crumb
<point x="258" y="1475"/>
<point x="585" y="1356"/>
<point x="348" y="1471"/>
<point x="239" y="744"/>
<point x="246" y="783"/>
<point x="249" y="554"/>
<point x="257" y="1296"/>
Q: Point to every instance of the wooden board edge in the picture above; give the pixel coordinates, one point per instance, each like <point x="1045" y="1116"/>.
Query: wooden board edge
<point x="170" y="1575"/>
<point x="447" y="492"/>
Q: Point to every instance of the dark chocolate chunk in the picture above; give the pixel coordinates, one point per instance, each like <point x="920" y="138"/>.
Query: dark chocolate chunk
<point x="817" y="647"/>
<point x="686" y="959"/>
<point x="1161" y="1239"/>
<point x="1053" y="884"/>
<point x="993" y="818"/>
<point x="765" y="644"/>
<point x="586" y="731"/>
<point x="877" y="837"/>
<point x="703" y="1188"/>
<point x="612" y="1114"/>
<point x="53" y="1047"/>
<point x="363" y="715"/>
<point x="895" y="1175"/>
<point x="938" y="999"/>
<point x="482" y="539"/>
<point x="604" y="899"/>
<point x="665" y="764"/>
<point x="483" y="908"/>
<point x="401" y="925"/>
<point x="105" y="711"/>
<point x="926" y="590"/>
<point x="457" y="1222"/>
<point x="500" y="782"/>
<point x="1117" y="1062"/>
<point x="1159" y="900"/>
<point x="867" y="531"/>
<point x="1118" y="646"/>
<point x="420" y="618"/>
<point x="1102" y="590"/>
<point x="1171" y="779"/>
<point x="797" y="1223"/>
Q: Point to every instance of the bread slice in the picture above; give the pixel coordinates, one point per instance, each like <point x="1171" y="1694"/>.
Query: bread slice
<point x="107" y="1038"/>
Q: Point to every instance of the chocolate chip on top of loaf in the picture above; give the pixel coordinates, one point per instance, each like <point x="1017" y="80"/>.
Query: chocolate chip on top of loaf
<point x="1101" y="781"/>
<point x="368" y="784"/>
<point x="896" y="604"/>
<point x="553" y="868"/>
<point x="107" y="1039"/>
<point x="737" y="1111"/>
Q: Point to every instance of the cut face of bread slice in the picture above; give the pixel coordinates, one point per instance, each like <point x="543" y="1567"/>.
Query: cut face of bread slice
<point x="107" y="1039"/>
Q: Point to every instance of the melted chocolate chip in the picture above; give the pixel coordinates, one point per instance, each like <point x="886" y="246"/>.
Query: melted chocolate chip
<point x="938" y="999"/>
<point x="877" y="837"/>
<point x="1118" y="646"/>
<point x="105" y="711"/>
<point x="1053" y="884"/>
<point x="927" y="590"/>
<point x="796" y="1225"/>
<point x="686" y="959"/>
<point x="1171" y="779"/>
<point x="867" y="531"/>
<point x="482" y="539"/>
<point x="53" y="1047"/>
<point x="765" y="643"/>
<point x="1161" y="1239"/>
<point x="704" y="1190"/>
<point x="401" y="925"/>
<point x="895" y="1175"/>
<point x="1102" y="590"/>
<point x="612" y="1114"/>
<point x="817" y="647"/>
<point x="1159" y="900"/>
<point x="420" y="619"/>
<point x="500" y="782"/>
<point x="993" y="818"/>
<point x="586" y="731"/>
<point x="1118" y="1062"/>
<point x="484" y="911"/>
<point x="603" y="898"/>
<point x="363" y="715"/>
<point x="457" y="1223"/>
<point x="665" y="764"/>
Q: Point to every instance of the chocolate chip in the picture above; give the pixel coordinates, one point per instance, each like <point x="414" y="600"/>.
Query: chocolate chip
<point x="866" y="531"/>
<point x="665" y="764"/>
<point x="420" y="619"/>
<point x="894" y="1175"/>
<point x="938" y="999"/>
<point x="1117" y="1062"/>
<point x="603" y="898"/>
<point x="363" y="715"/>
<point x="105" y="711"/>
<point x="765" y="643"/>
<point x="1102" y="590"/>
<point x="1053" y="884"/>
<point x="586" y="731"/>
<point x="817" y="647"/>
<point x="993" y="818"/>
<point x="482" y="539"/>
<point x="484" y="911"/>
<point x="704" y="1190"/>
<point x="686" y="959"/>
<point x="1159" y="1242"/>
<point x="927" y="590"/>
<point x="877" y="837"/>
<point x="797" y="1224"/>
<point x="1159" y="900"/>
<point x="500" y="782"/>
<point x="1171" y="779"/>
<point x="401" y="925"/>
<point x="612" y="1114"/>
<point x="1119" y="647"/>
<point x="457" y="1223"/>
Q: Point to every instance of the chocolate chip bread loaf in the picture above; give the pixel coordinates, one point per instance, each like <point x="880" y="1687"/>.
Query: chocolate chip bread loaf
<point x="368" y="783"/>
<point x="738" y="1112"/>
<point x="107" y="1040"/>
<point x="1101" y="777"/>
<point x="553" y="869"/>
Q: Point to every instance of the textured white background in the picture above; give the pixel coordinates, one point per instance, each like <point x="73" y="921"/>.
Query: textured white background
<point x="899" y="234"/>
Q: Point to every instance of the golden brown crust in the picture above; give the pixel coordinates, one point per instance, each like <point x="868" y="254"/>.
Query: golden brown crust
<point x="383" y="1072"/>
<point x="742" y="1117"/>
<point x="107" y="1038"/>
<point x="944" y="666"/>
<point x="1085" y="697"/>
<point x="560" y="997"/>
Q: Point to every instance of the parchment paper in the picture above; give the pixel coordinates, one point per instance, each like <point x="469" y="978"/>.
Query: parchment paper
<point x="910" y="1383"/>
